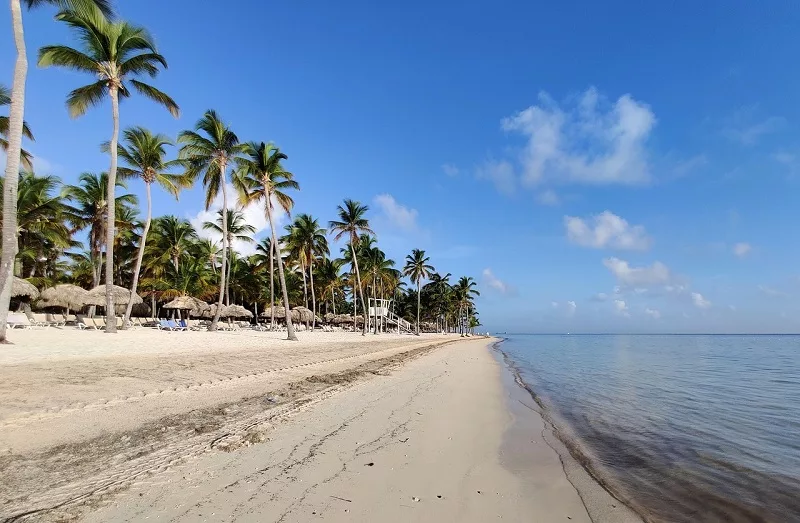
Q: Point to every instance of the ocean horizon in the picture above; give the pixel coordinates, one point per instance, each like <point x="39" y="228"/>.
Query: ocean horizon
<point x="700" y="429"/>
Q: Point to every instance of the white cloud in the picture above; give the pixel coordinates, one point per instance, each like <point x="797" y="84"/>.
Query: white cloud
<point x="600" y="296"/>
<point x="769" y="291"/>
<point x="742" y="249"/>
<point x="398" y="215"/>
<point x="501" y="173"/>
<point x="606" y="230"/>
<point x="621" y="307"/>
<point x="571" y="308"/>
<point x="746" y="128"/>
<point x="548" y="197"/>
<point x="658" y="273"/>
<point x="450" y="170"/>
<point x="593" y="141"/>
<point x="495" y="283"/>
<point x="784" y="158"/>
<point x="653" y="313"/>
<point x="554" y="304"/>
<point x="253" y="215"/>
<point x="686" y="167"/>
<point x="699" y="301"/>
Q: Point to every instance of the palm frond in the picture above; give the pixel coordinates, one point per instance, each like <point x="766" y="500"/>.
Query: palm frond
<point x="157" y="96"/>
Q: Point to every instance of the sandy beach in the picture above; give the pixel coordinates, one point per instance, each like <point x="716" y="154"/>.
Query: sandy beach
<point x="247" y="427"/>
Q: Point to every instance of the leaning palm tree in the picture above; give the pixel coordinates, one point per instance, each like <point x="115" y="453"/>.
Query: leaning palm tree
<point x="208" y="151"/>
<point x="113" y="52"/>
<point x="262" y="178"/>
<point x="417" y="268"/>
<point x="238" y="229"/>
<point x="144" y="154"/>
<point x="16" y="130"/>
<point x="266" y="251"/>
<point x="25" y="159"/>
<point x="352" y="222"/>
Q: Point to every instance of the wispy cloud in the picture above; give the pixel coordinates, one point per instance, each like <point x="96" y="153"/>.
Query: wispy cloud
<point x="747" y="128"/>
<point x="450" y="170"/>
<point x="549" y="198"/>
<point x="773" y="293"/>
<point x="699" y="301"/>
<point x="399" y="216"/>
<point x="653" y="313"/>
<point x="500" y="173"/>
<point x="606" y="230"/>
<point x="742" y="249"/>
<point x="494" y="283"/>
<point x="657" y="273"/>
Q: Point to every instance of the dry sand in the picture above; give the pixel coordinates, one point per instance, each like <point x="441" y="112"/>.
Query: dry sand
<point x="246" y="427"/>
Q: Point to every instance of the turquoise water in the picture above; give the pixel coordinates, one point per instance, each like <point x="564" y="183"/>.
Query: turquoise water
<point x="683" y="428"/>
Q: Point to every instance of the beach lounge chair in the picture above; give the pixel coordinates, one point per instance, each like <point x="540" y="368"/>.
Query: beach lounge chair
<point x="119" y="321"/>
<point x="18" y="320"/>
<point x="82" y="322"/>
<point x="70" y="319"/>
<point x="54" y="320"/>
<point x="181" y="325"/>
<point x="99" y="323"/>
<point x="37" y="320"/>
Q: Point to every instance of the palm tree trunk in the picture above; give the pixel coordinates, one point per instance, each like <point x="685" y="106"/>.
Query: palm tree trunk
<point x="333" y="300"/>
<point x="111" y="322"/>
<point x="360" y="290"/>
<point x="305" y="285"/>
<point x="313" y="296"/>
<point x="228" y="277"/>
<point x="9" y="243"/>
<point x="289" y="327"/>
<point x="223" y="272"/>
<point x="355" y="298"/>
<point x="418" y="306"/>
<point x="139" y="257"/>
<point x="272" y="285"/>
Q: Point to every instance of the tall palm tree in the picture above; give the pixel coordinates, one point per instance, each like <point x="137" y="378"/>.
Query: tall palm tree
<point x="16" y="129"/>
<point x="310" y="241"/>
<point x="262" y="178"/>
<point x="26" y="159"/>
<point x="208" y="151"/>
<point x="238" y="229"/>
<point x="88" y="209"/>
<point x="352" y="222"/>
<point x="266" y="250"/>
<point x="332" y="280"/>
<point x="171" y="240"/>
<point x="417" y="268"/>
<point x="439" y="287"/>
<point x="465" y="291"/>
<point x="144" y="155"/>
<point x="113" y="52"/>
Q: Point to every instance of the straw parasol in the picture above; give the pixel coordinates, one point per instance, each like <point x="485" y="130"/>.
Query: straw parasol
<point x="97" y="296"/>
<point x="65" y="295"/>
<point x="236" y="311"/>
<point x="21" y="287"/>
<point x="188" y="303"/>
<point x="329" y="317"/>
<point x="280" y="312"/>
<point x="342" y="319"/>
<point x="305" y="315"/>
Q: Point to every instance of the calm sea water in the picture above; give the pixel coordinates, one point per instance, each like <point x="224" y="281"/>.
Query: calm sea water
<point x="684" y="428"/>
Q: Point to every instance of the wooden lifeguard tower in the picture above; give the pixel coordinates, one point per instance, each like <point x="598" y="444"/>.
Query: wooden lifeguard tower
<point x="381" y="318"/>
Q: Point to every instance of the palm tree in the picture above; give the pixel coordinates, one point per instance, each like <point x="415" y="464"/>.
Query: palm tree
<point x="352" y="222"/>
<point x="209" y="154"/>
<point x="144" y="155"/>
<point x="89" y="209"/>
<point x="308" y="239"/>
<point x="171" y="240"/>
<point x="238" y="229"/>
<point x="262" y="178"/>
<point x="41" y="229"/>
<point x="465" y="290"/>
<point x="14" y="133"/>
<point x="26" y="159"/>
<point x="416" y="268"/>
<point x="266" y="249"/>
<point x="332" y="280"/>
<point x="113" y="52"/>
<point x="439" y="287"/>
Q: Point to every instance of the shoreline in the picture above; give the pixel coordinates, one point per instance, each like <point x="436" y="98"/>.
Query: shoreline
<point x="599" y="499"/>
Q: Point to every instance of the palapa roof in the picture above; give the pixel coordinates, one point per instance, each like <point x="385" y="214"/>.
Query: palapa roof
<point x="188" y="303"/>
<point x="20" y="287"/>
<point x="97" y="296"/>
<point x="236" y="311"/>
<point x="65" y="295"/>
<point x="304" y="314"/>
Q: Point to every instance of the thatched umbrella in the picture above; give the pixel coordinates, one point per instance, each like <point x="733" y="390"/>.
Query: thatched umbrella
<point x="280" y="312"/>
<point x="97" y="296"/>
<point x="188" y="303"/>
<point x="329" y="317"/>
<point x="139" y="310"/>
<point x="65" y="296"/>
<point x="236" y="311"/>
<point x="342" y="319"/>
<point x="21" y="287"/>
<point x="305" y="315"/>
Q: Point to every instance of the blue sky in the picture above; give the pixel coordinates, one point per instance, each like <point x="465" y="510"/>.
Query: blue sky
<point x="614" y="167"/>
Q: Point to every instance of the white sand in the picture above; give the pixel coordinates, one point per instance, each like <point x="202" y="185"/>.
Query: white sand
<point x="134" y="426"/>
